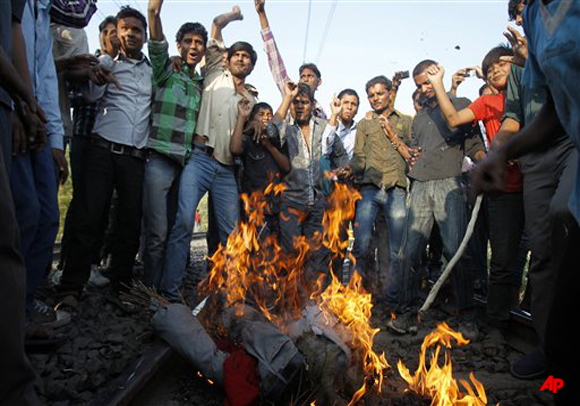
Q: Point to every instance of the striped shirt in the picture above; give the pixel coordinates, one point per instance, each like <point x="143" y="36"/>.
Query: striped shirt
<point x="175" y="105"/>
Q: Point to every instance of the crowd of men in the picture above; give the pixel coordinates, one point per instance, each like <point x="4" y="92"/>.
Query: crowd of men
<point x="150" y="136"/>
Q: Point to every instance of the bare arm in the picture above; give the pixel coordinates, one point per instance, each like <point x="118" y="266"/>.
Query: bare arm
<point x="335" y="107"/>
<point x="508" y="128"/>
<point x="281" y="160"/>
<point x="11" y="81"/>
<point x="236" y="141"/>
<point x="453" y="117"/>
<point x="261" y="10"/>
<point x="154" y="17"/>
<point x="221" y="21"/>
<point x="19" y="55"/>
<point x="290" y="92"/>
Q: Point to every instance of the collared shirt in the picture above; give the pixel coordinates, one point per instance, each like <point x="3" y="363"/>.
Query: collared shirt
<point x="442" y="148"/>
<point x="38" y="38"/>
<point x="304" y="182"/>
<point x="553" y="60"/>
<point x="375" y="161"/>
<point x="125" y="114"/>
<point x="219" y="104"/>
<point x="175" y="107"/>
<point x="347" y="136"/>
<point x="278" y="68"/>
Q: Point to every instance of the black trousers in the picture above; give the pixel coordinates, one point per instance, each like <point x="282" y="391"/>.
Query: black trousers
<point x="550" y="179"/>
<point x="560" y="340"/>
<point x="506" y="225"/>
<point x="16" y="374"/>
<point x="106" y="171"/>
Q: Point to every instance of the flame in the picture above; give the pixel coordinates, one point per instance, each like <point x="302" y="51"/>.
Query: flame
<point x="437" y="382"/>
<point x="352" y="305"/>
<point x="252" y="268"/>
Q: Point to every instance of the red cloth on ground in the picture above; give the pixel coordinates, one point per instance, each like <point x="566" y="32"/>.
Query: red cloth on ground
<point x="490" y="110"/>
<point x="241" y="379"/>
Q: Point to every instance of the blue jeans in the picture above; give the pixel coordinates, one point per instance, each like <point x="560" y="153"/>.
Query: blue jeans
<point x="442" y="201"/>
<point x="201" y="174"/>
<point x="392" y="203"/>
<point x="159" y="184"/>
<point x="34" y="189"/>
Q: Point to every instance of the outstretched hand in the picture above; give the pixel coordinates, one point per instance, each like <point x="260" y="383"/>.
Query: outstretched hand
<point x="519" y="44"/>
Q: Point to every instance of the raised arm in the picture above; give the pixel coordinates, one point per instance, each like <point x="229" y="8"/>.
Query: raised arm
<point x="290" y="92"/>
<point x="275" y="60"/>
<point x="237" y="140"/>
<point x="220" y="22"/>
<point x="154" y="17"/>
<point x="453" y="117"/>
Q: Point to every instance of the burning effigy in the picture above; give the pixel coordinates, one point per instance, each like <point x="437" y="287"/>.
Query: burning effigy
<point x="297" y="324"/>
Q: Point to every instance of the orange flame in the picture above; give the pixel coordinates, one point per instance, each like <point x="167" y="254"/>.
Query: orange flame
<point x="437" y="382"/>
<point x="257" y="270"/>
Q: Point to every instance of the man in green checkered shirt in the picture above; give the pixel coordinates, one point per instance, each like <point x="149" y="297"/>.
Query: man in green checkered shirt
<point x="177" y="98"/>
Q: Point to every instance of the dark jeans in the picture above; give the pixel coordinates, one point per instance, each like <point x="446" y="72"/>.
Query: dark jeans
<point x="16" y="374"/>
<point x="291" y="226"/>
<point x="506" y="225"/>
<point x="34" y="189"/>
<point x="79" y="153"/>
<point x="550" y="180"/>
<point x="441" y="201"/>
<point x="106" y="172"/>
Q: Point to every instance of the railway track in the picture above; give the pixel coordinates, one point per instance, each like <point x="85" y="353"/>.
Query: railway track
<point x="148" y="378"/>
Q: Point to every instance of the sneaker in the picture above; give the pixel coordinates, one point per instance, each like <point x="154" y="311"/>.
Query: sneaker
<point x="530" y="366"/>
<point x="45" y="316"/>
<point x="97" y="278"/>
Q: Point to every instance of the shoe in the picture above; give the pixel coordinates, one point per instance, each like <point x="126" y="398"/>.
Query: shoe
<point x="45" y="316"/>
<point x="403" y="324"/>
<point x="97" y="278"/>
<point x="530" y="366"/>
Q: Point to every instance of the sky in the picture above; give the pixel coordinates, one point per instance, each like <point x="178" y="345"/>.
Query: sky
<point x="365" y="38"/>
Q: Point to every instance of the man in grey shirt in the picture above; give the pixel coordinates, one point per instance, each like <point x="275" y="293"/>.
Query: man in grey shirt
<point x="309" y="140"/>
<point x="437" y="195"/>
<point x="116" y="158"/>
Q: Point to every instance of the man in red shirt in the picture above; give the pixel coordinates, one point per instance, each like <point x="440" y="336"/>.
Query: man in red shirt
<point x="506" y="212"/>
